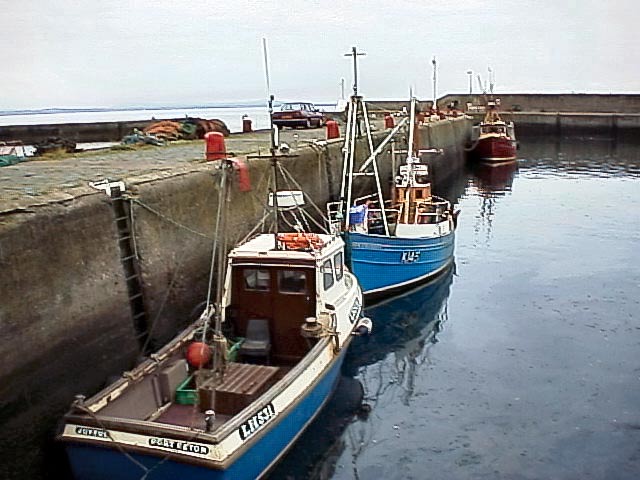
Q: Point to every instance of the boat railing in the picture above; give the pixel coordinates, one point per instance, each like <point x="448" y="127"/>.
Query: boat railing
<point x="433" y="212"/>
<point x="335" y="217"/>
<point x="375" y="224"/>
<point x="373" y="216"/>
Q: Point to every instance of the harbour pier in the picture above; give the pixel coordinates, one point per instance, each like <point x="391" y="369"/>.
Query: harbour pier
<point x="68" y="282"/>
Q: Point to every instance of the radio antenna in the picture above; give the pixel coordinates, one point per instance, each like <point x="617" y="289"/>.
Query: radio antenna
<point x="274" y="142"/>
<point x="266" y="65"/>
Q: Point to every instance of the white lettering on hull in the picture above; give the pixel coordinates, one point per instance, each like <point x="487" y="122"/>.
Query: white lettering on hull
<point x="355" y="310"/>
<point x="256" y="422"/>
<point x="410" y="256"/>
<point x="178" y="445"/>
<point x="92" y="432"/>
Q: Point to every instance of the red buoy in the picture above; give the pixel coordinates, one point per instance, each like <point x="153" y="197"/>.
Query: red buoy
<point x="333" y="131"/>
<point x="388" y="121"/>
<point x="198" y="354"/>
<point x="214" y="146"/>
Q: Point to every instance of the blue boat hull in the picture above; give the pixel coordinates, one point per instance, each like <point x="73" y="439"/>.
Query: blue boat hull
<point x="386" y="265"/>
<point x="99" y="463"/>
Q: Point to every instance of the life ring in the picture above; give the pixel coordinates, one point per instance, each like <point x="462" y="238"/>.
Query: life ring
<point x="300" y="241"/>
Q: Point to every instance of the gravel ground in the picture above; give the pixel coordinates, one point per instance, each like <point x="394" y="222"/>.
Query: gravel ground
<point x="47" y="180"/>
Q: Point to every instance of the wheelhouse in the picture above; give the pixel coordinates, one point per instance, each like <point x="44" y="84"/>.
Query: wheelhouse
<point x="282" y="288"/>
<point x="499" y="128"/>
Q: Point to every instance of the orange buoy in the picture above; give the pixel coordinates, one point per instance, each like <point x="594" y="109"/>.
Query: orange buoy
<point x="388" y="121"/>
<point x="198" y="354"/>
<point x="333" y="131"/>
<point x="214" y="146"/>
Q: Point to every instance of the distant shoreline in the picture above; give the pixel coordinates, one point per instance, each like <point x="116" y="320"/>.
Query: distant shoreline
<point x="47" y="111"/>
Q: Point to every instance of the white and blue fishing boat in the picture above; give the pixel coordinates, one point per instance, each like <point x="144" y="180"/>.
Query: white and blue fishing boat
<point x="230" y="394"/>
<point x="392" y="244"/>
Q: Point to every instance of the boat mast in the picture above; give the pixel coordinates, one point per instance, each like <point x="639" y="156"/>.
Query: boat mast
<point x="410" y="159"/>
<point x="354" y="53"/>
<point x="227" y="166"/>
<point x="274" y="162"/>
<point x="356" y="106"/>
<point x="412" y="120"/>
<point x="435" y="96"/>
<point x="350" y="140"/>
<point x="218" y="259"/>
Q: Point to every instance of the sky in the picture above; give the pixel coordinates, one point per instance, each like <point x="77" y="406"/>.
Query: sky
<point x="73" y="53"/>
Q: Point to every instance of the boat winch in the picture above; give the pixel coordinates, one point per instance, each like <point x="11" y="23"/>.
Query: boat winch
<point x="317" y="327"/>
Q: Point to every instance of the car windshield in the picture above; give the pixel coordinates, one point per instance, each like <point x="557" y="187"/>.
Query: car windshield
<point x="293" y="106"/>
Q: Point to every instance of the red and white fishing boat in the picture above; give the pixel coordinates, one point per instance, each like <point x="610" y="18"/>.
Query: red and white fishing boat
<point x="493" y="140"/>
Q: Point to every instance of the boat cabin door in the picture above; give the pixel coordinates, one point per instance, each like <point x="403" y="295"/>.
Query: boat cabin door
<point x="284" y="295"/>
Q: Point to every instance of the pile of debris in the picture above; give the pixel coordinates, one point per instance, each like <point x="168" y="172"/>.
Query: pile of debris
<point x="138" y="137"/>
<point x="54" y="145"/>
<point x="188" y="128"/>
<point x="12" y="152"/>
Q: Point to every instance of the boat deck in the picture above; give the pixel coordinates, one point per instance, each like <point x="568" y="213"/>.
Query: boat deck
<point x="242" y="384"/>
<point x="188" y="416"/>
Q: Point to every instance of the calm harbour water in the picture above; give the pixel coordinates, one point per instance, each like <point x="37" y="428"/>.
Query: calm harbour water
<point x="524" y="363"/>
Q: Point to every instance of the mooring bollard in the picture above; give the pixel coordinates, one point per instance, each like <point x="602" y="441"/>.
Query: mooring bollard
<point x="333" y="131"/>
<point x="246" y="124"/>
<point x="388" y="121"/>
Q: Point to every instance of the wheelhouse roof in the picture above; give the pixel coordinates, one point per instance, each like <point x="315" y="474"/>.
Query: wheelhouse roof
<point x="497" y="122"/>
<point x="263" y="247"/>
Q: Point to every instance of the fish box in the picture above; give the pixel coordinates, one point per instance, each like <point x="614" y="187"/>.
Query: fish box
<point x="242" y="385"/>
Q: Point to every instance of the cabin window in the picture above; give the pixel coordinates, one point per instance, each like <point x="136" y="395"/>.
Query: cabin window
<point x="327" y="275"/>
<point x="256" y="279"/>
<point x="418" y="193"/>
<point x="422" y="179"/>
<point x="338" y="263"/>
<point x="292" y="282"/>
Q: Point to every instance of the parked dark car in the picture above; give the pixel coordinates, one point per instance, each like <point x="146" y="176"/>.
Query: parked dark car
<point x="298" y="114"/>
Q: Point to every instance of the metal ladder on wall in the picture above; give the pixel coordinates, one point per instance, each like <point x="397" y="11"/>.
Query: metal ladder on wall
<point x="128" y="258"/>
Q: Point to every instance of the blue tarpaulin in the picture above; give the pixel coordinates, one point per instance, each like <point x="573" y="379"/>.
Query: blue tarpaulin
<point x="357" y="214"/>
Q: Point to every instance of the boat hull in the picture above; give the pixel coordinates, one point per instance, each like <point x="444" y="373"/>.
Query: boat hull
<point x="97" y="462"/>
<point x="495" y="149"/>
<point x="387" y="265"/>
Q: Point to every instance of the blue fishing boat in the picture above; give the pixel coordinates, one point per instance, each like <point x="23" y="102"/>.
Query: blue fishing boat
<point x="392" y="244"/>
<point x="229" y="395"/>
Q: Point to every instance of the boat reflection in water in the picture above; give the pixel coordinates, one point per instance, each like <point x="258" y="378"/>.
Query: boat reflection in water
<point x="405" y="328"/>
<point x="318" y="449"/>
<point x="490" y="182"/>
<point x="492" y="179"/>
<point x="391" y="361"/>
